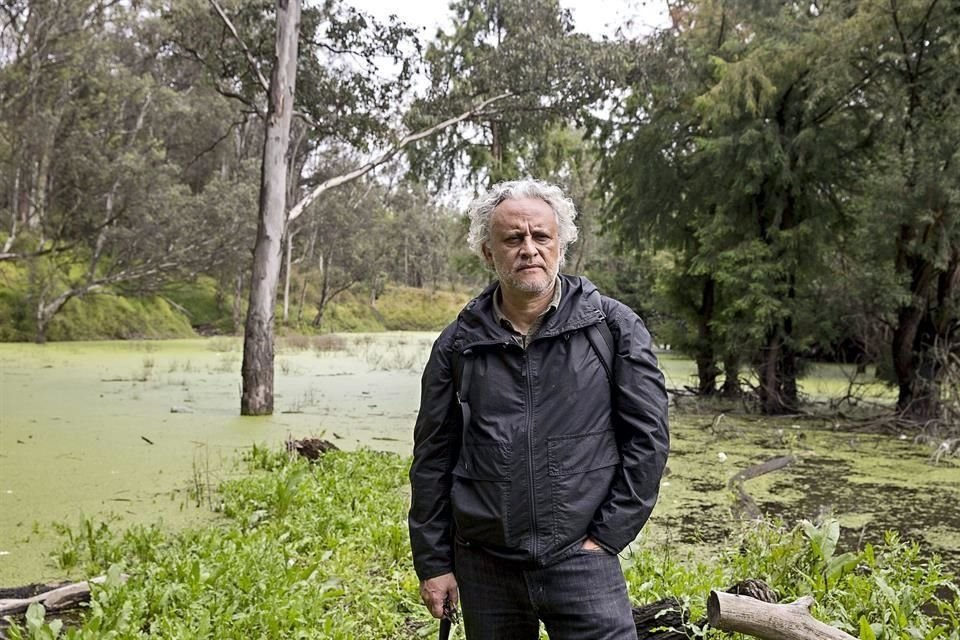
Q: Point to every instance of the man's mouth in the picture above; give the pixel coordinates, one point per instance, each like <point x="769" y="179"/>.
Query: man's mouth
<point x="529" y="266"/>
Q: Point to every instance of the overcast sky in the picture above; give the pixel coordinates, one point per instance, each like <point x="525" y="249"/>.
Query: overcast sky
<point x="595" y="17"/>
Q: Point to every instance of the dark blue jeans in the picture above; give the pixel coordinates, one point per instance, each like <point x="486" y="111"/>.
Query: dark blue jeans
<point x="584" y="597"/>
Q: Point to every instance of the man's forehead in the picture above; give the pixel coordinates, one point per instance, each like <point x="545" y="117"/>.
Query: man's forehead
<point x="521" y="214"/>
<point x="524" y="223"/>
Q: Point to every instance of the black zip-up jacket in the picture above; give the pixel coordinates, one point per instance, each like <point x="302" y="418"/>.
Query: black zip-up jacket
<point x="553" y="453"/>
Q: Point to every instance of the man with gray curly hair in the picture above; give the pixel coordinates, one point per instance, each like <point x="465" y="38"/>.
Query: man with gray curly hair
<point x="541" y="437"/>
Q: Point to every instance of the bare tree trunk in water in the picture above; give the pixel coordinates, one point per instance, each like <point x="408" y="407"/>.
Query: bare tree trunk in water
<point x="257" y="371"/>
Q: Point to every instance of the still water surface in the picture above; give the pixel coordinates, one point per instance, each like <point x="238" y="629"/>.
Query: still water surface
<point x="130" y="430"/>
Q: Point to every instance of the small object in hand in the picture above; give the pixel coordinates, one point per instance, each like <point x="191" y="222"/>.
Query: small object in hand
<point x="450" y="612"/>
<point x="450" y="617"/>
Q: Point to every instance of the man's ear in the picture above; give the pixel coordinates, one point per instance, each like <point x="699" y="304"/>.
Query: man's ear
<point x="487" y="254"/>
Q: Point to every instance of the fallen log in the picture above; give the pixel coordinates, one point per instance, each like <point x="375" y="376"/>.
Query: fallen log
<point x="310" y="448"/>
<point x="661" y="620"/>
<point x="743" y="614"/>
<point x="668" y="619"/>
<point x="57" y="599"/>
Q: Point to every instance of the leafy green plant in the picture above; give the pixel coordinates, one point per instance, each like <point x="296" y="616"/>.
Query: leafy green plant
<point x="320" y="550"/>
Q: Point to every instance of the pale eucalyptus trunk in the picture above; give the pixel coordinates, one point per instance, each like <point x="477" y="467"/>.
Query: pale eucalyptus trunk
<point x="257" y="371"/>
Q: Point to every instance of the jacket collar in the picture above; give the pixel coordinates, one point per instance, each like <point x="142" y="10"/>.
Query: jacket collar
<point x="579" y="307"/>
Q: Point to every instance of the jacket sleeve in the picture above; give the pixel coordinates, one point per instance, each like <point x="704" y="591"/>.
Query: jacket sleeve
<point x="640" y="419"/>
<point x="436" y="445"/>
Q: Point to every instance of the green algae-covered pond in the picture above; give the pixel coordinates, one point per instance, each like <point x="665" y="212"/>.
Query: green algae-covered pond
<point x="139" y="432"/>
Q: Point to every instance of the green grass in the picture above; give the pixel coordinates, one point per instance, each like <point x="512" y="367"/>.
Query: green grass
<point x="203" y="306"/>
<point x="118" y="318"/>
<point x="182" y="308"/>
<point x="397" y="309"/>
<point x="321" y="551"/>
<point x="105" y="315"/>
<point x="409" y="309"/>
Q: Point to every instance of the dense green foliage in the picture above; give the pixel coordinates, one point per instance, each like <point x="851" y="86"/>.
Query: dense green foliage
<point x="321" y="551"/>
<point x="779" y="152"/>
<point x="768" y="183"/>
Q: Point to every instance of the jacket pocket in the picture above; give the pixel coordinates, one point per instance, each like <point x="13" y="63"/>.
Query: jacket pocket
<point x="581" y="469"/>
<point x="481" y="494"/>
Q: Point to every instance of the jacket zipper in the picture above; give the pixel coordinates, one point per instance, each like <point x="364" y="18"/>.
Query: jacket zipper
<point x="532" y="489"/>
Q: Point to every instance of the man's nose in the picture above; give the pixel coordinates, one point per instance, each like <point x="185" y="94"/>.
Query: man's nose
<point x="528" y="247"/>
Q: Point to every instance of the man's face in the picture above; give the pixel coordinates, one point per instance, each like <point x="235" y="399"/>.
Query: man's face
<point x="524" y="248"/>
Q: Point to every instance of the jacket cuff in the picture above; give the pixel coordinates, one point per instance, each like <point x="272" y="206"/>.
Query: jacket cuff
<point x="433" y="569"/>
<point x="606" y="546"/>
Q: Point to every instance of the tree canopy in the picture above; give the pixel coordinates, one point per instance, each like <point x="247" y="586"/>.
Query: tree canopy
<point x="768" y="183"/>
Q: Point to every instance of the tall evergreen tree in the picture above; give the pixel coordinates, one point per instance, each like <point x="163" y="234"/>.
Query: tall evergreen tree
<point x="741" y="164"/>
<point x="912" y="203"/>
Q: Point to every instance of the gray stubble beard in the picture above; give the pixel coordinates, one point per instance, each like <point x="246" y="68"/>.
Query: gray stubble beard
<point x="522" y="285"/>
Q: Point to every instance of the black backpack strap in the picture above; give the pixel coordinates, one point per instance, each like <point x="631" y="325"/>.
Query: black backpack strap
<point x="462" y="369"/>
<point x="601" y="339"/>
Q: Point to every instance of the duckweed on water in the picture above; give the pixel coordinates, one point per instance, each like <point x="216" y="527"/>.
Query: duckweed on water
<point x="320" y="551"/>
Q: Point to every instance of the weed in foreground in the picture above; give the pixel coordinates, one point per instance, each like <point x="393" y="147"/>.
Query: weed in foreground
<point x="321" y="551"/>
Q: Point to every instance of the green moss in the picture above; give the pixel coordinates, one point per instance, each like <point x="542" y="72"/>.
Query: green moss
<point x="351" y="312"/>
<point x="397" y="309"/>
<point x="208" y="309"/>
<point x="15" y="319"/>
<point x="115" y="317"/>
<point x="410" y="309"/>
<point x="201" y="305"/>
<point x="91" y="317"/>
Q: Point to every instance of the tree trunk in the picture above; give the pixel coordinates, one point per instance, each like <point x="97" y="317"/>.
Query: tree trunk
<point x="40" y="333"/>
<point x="777" y="372"/>
<point x="496" y="148"/>
<point x="743" y="614"/>
<point x="286" y="277"/>
<point x="924" y="335"/>
<point x="14" y="213"/>
<point x="324" y="287"/>
<point x="706" y="356"/>
<point x="406" y="263"/>
<point x="661" y="620"/>
<point x="66" y="596"/>
<point x="47" y="310"/>
<point x="238" y="302"/>
<point x="904" y="334"/>
<point x="303" y="296"/>
<point x="731" y="376"/>
<point x="769" y="380"/>
<point x="788" y="355"/>
<point x="257" y="370"/>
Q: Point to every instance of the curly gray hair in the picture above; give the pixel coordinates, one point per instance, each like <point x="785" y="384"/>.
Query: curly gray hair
<point x="481" y="210"/>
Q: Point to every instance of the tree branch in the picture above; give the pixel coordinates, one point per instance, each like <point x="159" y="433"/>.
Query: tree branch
<point x="243" y="45"/>
<point x="301" y="206"/>
<point x="34" y="254"/>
